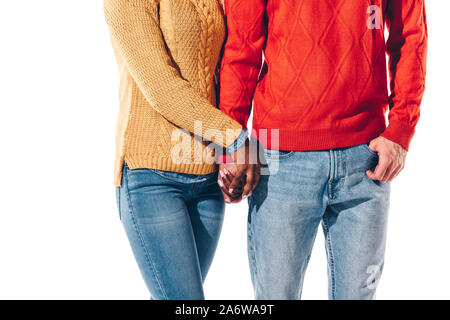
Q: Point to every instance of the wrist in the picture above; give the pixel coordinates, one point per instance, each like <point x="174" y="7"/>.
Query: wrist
<point x="238" y="143"/>
<point x="399" y="133"/>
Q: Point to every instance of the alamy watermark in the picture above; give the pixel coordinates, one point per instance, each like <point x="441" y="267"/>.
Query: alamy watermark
<point x="375" y="19"/>
<point x="206" y="146"/>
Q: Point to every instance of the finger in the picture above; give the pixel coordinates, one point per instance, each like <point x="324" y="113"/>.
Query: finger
<point x="226" y="198"/>
<point x="235" y="183"/>
<point x="237" y="191"/>
<point x="249" y="184"/>
<point x="379" y="171"/>
<point x="388" y="174"/>
<point x="231" y="199"/>
<point x="227" y="195"/>
<point x="228" y="172"/>
<point x="226" y="179"/>
<point x="256" y="178"/>
<point x="384" y="173"/>
<point x="223" y="189"/>
<point x="392" y="174"/>
<point x="226" y="176"/>
<point x="400" y="169"/>
<point x="391" y="168"/>
<point x="396" y="172"/>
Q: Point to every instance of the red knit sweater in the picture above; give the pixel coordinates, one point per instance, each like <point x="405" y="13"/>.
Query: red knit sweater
<point x="323" y="82"/>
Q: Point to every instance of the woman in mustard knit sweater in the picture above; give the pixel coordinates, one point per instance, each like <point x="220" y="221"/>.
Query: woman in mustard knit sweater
<point x="168" y="198"/>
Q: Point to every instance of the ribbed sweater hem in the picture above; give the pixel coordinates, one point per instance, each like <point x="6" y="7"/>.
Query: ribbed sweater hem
<point x="322" y="139"/>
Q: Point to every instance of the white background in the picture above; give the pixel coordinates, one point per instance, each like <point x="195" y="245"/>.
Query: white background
<point x="60" y="235"/>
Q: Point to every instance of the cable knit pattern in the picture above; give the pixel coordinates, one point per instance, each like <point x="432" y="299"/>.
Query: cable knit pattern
<point x="168" y="51"/>
<point x="206" y="39"/>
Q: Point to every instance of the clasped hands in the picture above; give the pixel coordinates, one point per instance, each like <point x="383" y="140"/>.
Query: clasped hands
<point x="238" y="178"/>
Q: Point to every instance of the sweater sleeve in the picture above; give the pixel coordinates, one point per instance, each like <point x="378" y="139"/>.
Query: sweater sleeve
<point x="242" y="58"/>
<point x="407" y="50"/>
<point x="135" y="31"/>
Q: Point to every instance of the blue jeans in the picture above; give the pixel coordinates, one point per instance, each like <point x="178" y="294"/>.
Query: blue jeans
<point x="285" y="210"/>
<point x="173" y="222"/>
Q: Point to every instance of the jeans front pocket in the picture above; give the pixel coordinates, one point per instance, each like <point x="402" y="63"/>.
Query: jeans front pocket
<point x="277" y="154"/>
<point x="367" y="158"/>
<point x="367" y="148"/>
<point x="183" y="178"/>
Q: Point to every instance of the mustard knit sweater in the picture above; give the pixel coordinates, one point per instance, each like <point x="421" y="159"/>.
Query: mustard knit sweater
<point x="168" y="52"/>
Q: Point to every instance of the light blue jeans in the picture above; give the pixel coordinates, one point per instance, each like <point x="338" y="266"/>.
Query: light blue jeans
<point x="173" y="222"/>
<point x="303" y="190"/>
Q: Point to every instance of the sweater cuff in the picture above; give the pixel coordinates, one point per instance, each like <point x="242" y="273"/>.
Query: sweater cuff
<point x="400" y="133"/>
<point x="239" y="142"/>
<point x="239" y="114"/>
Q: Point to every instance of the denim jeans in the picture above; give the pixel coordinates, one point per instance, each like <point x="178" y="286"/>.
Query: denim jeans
<point x="173" y="222"/>
<point x="303" y="190"/>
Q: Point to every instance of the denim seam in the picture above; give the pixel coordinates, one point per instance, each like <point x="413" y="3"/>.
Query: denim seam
<point x="120" y="206"/>
<point x="330" y="257"/>
<point x="141" y="240"/>
<point x="252" y="249"/>
<point x="193" y="188"/>
<point x="332" y="174"/>
<point x="342" y="174"/>
<point x="119" y="202"/>
<point x="303" y="271"/>
<point x="253" y="256"/>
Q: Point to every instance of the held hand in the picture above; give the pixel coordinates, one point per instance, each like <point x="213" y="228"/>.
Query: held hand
<point x="239" y="179"/>
<point x="392" y="157"/>
<point x="227" y="172"/>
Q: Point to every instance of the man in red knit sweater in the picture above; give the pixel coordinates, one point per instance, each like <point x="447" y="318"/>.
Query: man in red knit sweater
<point x="320" y="96"/>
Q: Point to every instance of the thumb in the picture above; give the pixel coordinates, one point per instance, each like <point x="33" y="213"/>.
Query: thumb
<point x="373" y="146"/>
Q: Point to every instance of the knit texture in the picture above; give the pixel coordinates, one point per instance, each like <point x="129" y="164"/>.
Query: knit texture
<point x="168" y="52"/>
<point x="324" y="82"/>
